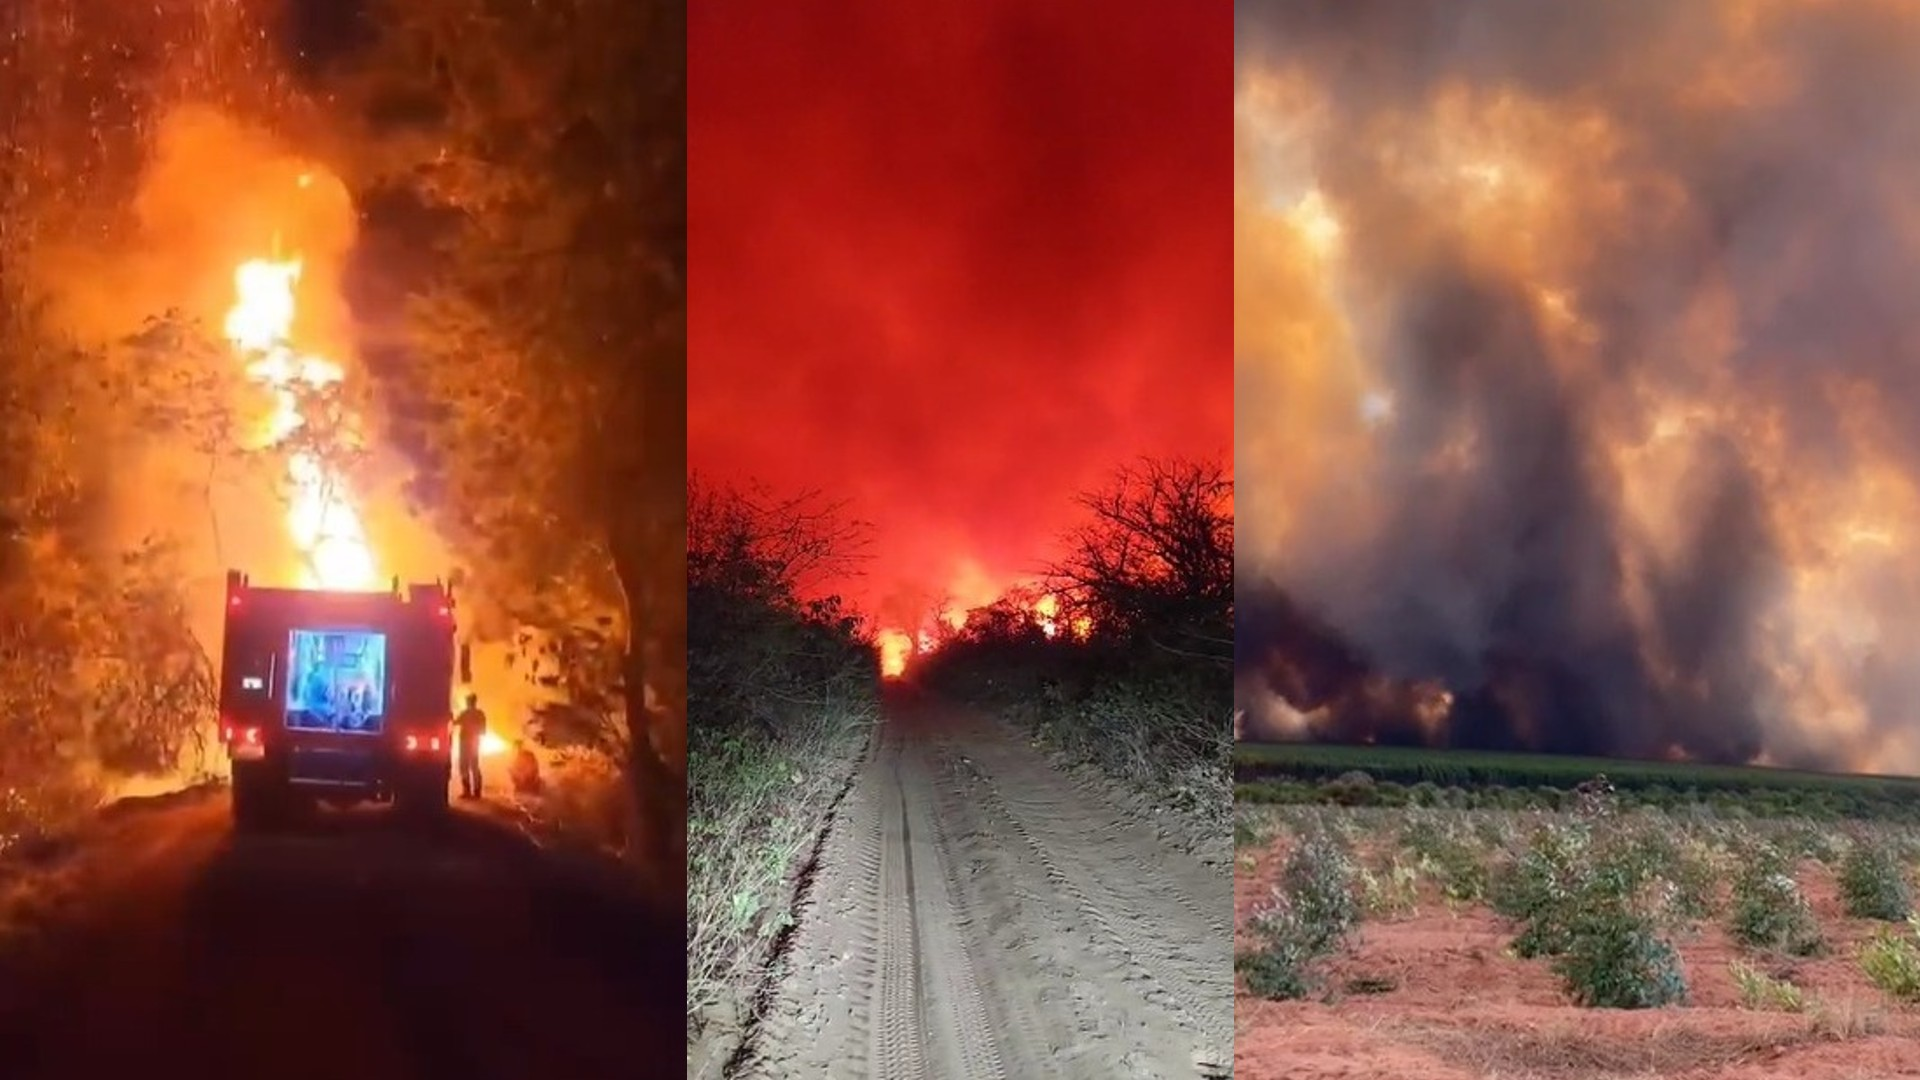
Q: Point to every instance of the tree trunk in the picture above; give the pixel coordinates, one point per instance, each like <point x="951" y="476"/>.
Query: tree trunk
<point x="650" y="555"/>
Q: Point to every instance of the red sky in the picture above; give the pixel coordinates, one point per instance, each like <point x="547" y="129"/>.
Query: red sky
<point x="956" y="260"/>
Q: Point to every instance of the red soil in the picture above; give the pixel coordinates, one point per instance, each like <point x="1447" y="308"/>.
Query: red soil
<point x="1462" y="1008"/>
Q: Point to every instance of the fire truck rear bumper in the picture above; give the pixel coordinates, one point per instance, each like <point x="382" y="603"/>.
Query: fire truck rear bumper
<point x="368" y="773"/>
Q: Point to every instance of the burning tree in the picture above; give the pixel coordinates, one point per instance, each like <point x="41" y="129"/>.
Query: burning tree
<point x="310" y="426"/>
<point x="100" y="674"/>
<point x="544" y="380"/>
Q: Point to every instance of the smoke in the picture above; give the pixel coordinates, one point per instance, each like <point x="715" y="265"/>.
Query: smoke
<point x="213" y="193"/>
<point x="1576" y="375"/>
<point x="954" y="263"/>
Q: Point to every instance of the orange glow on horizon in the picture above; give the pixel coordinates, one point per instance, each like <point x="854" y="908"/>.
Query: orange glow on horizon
<point x="899" y="646"/>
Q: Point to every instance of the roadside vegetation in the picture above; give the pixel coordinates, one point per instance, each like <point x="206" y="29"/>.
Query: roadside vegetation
<point x="1609" y="896"/>
<point x="785" y="693"/>
<point x="101" y="677"/>
<point x="1130" y="673"/>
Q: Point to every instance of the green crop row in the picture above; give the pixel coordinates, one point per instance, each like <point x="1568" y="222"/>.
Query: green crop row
<point x="1256" y="763"/>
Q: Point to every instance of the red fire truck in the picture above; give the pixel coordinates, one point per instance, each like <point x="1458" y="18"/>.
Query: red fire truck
<point x="336" y="696"/>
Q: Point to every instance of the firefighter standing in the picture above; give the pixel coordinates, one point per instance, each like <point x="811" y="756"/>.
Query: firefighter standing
<point x="472" y="725"/>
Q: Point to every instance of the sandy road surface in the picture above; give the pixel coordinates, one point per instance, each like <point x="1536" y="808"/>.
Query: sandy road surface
<point x="346" y="947"/>
<point x="977" y="915"/>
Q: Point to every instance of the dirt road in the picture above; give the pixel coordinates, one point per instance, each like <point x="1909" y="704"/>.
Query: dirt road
<point x="348" y="946"/>
<point x="977" y="915"/>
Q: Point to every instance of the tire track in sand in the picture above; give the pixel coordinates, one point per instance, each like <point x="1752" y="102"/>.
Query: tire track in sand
<point x="820" y="1022"/>
<point x="1162" y="914"/>
<point x="896" y="1004"/>
<point x="883" y="981"/>
<point x="977" y="916"/>
<point x="955" y="994"/>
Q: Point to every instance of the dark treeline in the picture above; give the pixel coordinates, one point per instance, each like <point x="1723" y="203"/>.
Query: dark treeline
<point x="1135" y="676"/>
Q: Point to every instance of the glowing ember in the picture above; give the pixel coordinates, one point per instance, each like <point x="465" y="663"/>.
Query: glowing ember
<point x="321" y="519"/>
<point x="1046" y="613"/>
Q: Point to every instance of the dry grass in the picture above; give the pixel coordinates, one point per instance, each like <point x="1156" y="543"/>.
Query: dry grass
<point x="1573" y="1051"/>
<point x="1848" y="1018"/>
<point x="755" y="816"/>
<point x="1163" y="738"/>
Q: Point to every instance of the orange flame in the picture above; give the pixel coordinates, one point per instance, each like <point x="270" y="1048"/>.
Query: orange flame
<point x="321" y="520"/>
<point x="896" y="646"/>
<point x="1046" y="613"/>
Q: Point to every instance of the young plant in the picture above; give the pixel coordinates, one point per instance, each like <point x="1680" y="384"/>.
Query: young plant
<point x="1392" y="890"/>
<point x="1585" y="896"/>
<point x="1310" y="917"/>
<point x="1319" y="879"/>
<point x="1615" y="959"/>
<point x="1769" y="910"/>
<point x="1538" y="886"/>
<point x="1892" y="962"/>
<point x="1280" y="967"/>
<point x="1685" y="866"/>
<point x="1874" y="884"/>
<point x="1252" y="827"/>
<point x="1450" y="856"/>
<point x="1758" y="990"/>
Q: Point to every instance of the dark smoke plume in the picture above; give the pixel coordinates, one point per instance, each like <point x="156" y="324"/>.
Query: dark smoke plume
<point x="1579" y="376"/>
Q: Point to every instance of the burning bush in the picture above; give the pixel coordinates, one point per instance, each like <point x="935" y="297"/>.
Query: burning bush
<point x="100" y="674"/>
